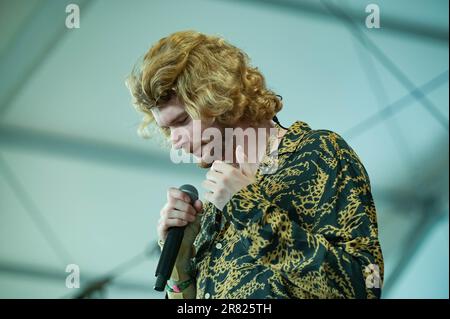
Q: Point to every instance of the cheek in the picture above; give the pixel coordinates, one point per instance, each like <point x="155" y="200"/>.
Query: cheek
<point x="189" y="131"/>
<point x="180" y="133"/>
<point x="186" y="132"/>
<point x="196" y="129"/>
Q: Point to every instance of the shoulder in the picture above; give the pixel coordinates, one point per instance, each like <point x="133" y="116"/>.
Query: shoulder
<point x="326" y="150"/>
<point x="324" y="140"/>
<point x="327" y="145"/>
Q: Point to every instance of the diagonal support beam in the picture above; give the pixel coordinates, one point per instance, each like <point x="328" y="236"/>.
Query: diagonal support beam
<point x="397" y="105"/>
<point x="394" y="25"/>
<point x="387" y="63"/>
<point x="13" y="137"/>
<point x="32" y="46"/>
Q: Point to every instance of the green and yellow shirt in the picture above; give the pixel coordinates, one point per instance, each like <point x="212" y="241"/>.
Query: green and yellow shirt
<point x="309" y="230"/>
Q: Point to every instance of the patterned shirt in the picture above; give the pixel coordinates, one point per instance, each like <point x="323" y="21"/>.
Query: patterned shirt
<point x="309" y="230"/>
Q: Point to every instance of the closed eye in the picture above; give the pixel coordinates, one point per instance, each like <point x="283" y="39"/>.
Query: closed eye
<point x="184" y="120"/>
<point x="181" y="121"/>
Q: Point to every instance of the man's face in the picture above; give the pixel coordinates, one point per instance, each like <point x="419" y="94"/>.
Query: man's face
<point x="183" y="133"/>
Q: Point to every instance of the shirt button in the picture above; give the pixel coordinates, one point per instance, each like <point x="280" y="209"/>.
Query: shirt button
<point x="207" y="295"/>
<point x="219" y="246"/>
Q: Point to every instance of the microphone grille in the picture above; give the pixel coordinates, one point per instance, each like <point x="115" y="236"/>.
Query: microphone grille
<point x="190" y="190"/>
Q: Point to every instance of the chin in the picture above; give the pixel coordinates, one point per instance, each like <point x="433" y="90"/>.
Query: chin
<point x="202" y="164"/>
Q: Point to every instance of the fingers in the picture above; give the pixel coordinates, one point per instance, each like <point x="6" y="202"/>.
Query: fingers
<point x="198" y="205"/>
<point x="241" y="158"/>
<point x="173" y="218"/>
<point x="174" y="193"/>
<point x="222" y="177"/>
<point x="211" y="186"/>
<point x="180" y="215"/>
<point x="174" y="222"/>
<point x="214" y="176"/>
<point x="221" y="167"/>
<point x="177" y="200"/>
<point x="164" y="224"/>
<point x="246" y="168"/>
<point x="184" y="207"/>
<point x="177" y="212"/>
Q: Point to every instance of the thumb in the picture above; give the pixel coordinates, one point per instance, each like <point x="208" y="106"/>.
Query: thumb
<point x="242" y="159"/>
<point x="198" y="206"/>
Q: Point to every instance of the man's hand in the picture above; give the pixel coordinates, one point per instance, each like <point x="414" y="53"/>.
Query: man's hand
<point x="224" y="180"/>
<point x="178" y="212"/>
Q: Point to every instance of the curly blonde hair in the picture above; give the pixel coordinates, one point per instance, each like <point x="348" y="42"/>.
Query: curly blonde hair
<point x="211" y="77"/>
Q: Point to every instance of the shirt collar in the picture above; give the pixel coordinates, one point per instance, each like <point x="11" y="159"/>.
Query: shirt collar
<point x="291" y="140"/>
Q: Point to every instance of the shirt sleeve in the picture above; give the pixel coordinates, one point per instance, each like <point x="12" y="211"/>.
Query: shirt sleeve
<point x="314" y="221"/>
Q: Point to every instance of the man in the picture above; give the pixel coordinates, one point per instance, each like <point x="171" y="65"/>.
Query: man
<point x="304" y="228"/>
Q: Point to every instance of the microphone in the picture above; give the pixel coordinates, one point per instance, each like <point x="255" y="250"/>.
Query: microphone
<point x="172" y="245"/>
